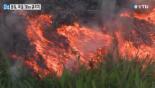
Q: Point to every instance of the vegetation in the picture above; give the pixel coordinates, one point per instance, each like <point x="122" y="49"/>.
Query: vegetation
<point x="123" y="74"/>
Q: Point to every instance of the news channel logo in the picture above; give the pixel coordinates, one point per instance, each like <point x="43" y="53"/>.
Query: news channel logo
<point x="6" y="6"/>
<point x="21" y="6"/>
<point x="139" y="6"/>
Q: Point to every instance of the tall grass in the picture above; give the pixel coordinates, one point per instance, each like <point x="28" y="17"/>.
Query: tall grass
<point x="123" y="74"/>
<point x="8" y="78"/>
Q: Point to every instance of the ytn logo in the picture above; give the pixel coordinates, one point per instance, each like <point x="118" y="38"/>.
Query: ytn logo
<point x="143" y="6"/>
<point x="6" y="6"/>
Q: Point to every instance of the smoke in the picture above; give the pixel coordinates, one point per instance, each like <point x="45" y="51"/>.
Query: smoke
<point x="12" y="29"/>
<point x="107" y="9"/>
<point x="13" y="40"/>
<point x="16" y="70"/>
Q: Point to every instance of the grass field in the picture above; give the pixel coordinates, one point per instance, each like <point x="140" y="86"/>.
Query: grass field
<point x="123" y="74"/>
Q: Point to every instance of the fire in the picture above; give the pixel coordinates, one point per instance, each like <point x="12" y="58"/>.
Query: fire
<point x="42" y="45"/>
<point x="149" y="17"/>
<point x="129" y="50"/>
<point x="83" y="45"/>
<point x="85" y="40"/>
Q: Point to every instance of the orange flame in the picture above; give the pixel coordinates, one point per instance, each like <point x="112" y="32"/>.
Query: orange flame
<point x="35" y="35"/>
<point x="85" y="40"/>
<point x="128" y="50"/>
<point x="149" y="17"/>
<point x="85" y="45"/>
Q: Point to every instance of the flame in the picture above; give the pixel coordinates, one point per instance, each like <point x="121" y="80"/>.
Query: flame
<point x="85" y="44"/>
<point x="149" y="17"/>
<point x="128" y="50"/>
<point x="85" y="40"/>
<point x="42" y="45"/>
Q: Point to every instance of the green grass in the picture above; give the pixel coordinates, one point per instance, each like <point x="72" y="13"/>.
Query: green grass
<point x="121" y="74"/>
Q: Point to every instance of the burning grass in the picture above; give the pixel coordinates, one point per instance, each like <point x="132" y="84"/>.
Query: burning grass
<point x="109" y="74"/>
<point x="73" y="55"/>
<point x="56" y="50"/>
